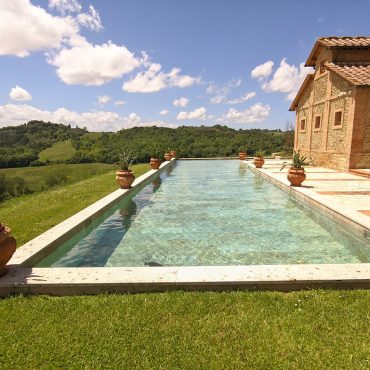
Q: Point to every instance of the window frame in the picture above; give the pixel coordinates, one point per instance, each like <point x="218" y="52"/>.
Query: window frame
<point x="314" y="125"/>
<point x="300" y="124"/>
<point x="341" y="119"/>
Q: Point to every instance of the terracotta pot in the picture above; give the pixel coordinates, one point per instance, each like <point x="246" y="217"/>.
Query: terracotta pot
<point x="125" y="178"/>
<point x="155" y="163"/>
<point x="7" y="249"/>
<point x="173" y="153"/>
<point x="167" y="156"/>
<point x="258" y="162"/>
<point x="296" y="176"/>
<point x="243" y="156"/>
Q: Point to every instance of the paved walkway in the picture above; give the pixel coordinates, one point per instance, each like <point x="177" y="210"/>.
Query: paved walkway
<point x="343" y="192"/>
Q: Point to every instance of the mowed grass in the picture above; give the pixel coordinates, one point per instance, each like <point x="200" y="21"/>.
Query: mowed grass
<point x="314" y="329"/>
<point x="38" y="178"/>
<point x="60" y="151"/>
<point x="187" y="330"/>
<point x="31" y="215"/>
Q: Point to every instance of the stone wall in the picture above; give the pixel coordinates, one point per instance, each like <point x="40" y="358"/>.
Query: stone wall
<point x="328" y="146"/>
<point x="360" y="146"/>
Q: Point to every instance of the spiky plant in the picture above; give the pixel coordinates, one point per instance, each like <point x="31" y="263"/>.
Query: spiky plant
<point x="297" y="162"/>
<point x="259" y="153"/>
<point x="126" y="159"/>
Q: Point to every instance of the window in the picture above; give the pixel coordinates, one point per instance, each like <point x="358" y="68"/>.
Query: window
<point x="303" y="124"/>
<point x="317" y="122"/>
<point x="338" y="118"/>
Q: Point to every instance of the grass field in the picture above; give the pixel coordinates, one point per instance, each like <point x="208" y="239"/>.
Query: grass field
<point x="40" y="178"/>
<point x="314" y="329"/>
<point x="30" y="215"/>
<point x="185" y="330"/>
<point x="60" y="151"/>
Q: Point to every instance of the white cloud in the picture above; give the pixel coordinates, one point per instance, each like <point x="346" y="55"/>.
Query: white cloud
<point x="198" y="113"/>
<point x="65" y="6"/>
<point x="256" y="113"/>
<point x="19" y="94"/>
<point x="182" y="102"/>
<point x="321" y="19"/>
<point x="119" y="103"/>
<point x="243" y="98"/>
<point x="104" y="99"/>
<point x="153" y="80"/>
<point x="164" y="112"/>
<point x="287" y="78"/>
<point x="214" y="89"/>
<point x="13" y="115"/>
<point x="25" y="28"/>
<point x="90" y="20"/>
<point x="96" y="65"/>
<point x="262" y="71"/>
<point x="218" y="99"/>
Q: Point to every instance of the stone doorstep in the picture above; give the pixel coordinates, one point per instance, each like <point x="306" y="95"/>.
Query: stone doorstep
<point x="89" y="280"/>
<point x="39" y="247"/>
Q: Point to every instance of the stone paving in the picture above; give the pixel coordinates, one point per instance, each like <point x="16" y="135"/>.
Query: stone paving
<point x="343" y="192"/>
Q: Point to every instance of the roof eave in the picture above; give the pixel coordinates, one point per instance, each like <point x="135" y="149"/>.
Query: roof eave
<point x="301" y="90"/>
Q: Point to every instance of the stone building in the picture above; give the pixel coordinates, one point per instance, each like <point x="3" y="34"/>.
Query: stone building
<point x="333" y="104"/>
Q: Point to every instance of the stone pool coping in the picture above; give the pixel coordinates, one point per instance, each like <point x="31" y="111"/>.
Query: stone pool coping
<point x="22" y="278"/>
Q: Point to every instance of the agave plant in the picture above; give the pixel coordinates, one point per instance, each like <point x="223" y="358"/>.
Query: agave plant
<point x="126" y="159"/>
<point x="298" y="161"/>
<point x="156" y="152"/>
<point x="259" y="153"/>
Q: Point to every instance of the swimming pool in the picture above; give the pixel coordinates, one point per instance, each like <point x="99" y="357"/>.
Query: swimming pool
<point x="209" y="213"/>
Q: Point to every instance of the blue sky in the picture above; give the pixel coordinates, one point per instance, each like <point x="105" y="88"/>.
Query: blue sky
<point x="108" y="65"/>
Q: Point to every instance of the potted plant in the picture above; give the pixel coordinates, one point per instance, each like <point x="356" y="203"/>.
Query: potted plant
<point x="242" y="155"/>
<point x="7" y="247"/>
<point x="173" y="153"/>
<point x="296" y="174"/>
<point x="258" y="158"/>
<point x="155" y="159"/>
<point x="167" y="155"/>
<point x="125" y="176"/>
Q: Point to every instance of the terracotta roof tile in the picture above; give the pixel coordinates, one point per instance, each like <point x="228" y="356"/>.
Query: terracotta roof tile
<point x="356" y="73"/>
<point x="349" y="42"/>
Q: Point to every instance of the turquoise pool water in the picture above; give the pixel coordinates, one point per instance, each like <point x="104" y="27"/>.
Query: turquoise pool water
<point x="210" y="212"/>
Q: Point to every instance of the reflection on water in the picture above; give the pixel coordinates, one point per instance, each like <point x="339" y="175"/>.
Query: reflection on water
<point x="242" y="169"/>
<point x="156" y="183"/>
<point x="257" y="182"/>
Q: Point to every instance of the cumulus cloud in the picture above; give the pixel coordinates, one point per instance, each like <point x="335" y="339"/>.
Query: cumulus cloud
<point x="199" y="113"/>
<point x="103" y="99"/>
<point x="65" y="6"/>
<point x="25" y="28"/>
<point x="119" y="103"/>
<point x="90" y="20"/>
<point x="218" y="99"/>
<point x="243" y="98"/>
<point x="13" y="115"/>
<point x="89" y="64"/>
<point x="153" y="80"/>
<point x="263" y="70"/>
<point x="223" y="89"/>
<point x="287" y="78"/>
<point x="19" y="94"/>
<point x="164" y="112"/>
<point x="256" y="113"/>
<point x="181" y="102"/>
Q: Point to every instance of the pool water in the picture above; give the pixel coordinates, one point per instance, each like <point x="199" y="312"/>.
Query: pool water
<point x="211" y="212"/>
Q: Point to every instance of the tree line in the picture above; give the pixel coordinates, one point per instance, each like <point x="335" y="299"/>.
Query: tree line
<point x="21" y="145"/>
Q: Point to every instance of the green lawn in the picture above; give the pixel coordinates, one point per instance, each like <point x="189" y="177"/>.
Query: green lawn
<point x="40" y="178"/>
<point x="30" y="215"/>
<point x="60" y="151"/>
<point x="184" y="330"/>
<point x="318" y="329"/>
